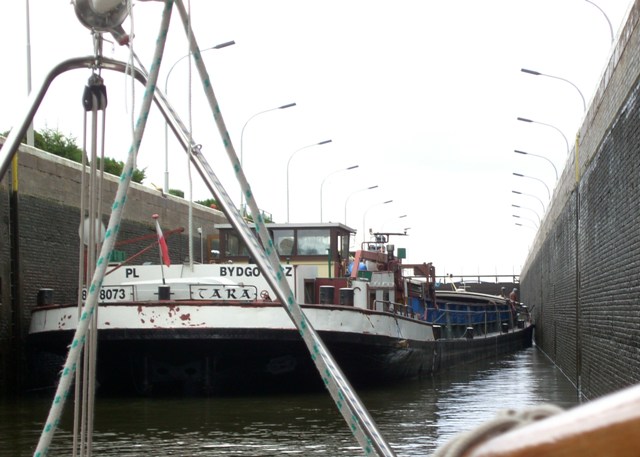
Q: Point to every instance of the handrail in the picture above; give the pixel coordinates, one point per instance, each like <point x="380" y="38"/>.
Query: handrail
<point x="404" y="310"/>
<point x="13" y="140"/>
<point x="606" y="426"/>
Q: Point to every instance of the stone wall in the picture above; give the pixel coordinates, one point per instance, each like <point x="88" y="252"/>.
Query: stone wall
<point x="582" y="275"/>
<point x="48" y="202"/>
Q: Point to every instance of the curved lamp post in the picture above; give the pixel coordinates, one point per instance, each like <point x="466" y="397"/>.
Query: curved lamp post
<point x="364" y="216"/>
<point x="288" y="105"/>
<point x="542" y="157"/>
<point x="531" y="220"/>
<point x="529" y="209"/>
<point x="605" y="16"/>
<point x="289" y="162"/>
<point x="537" y="73"/>
<point x="544" y="210"/>
<point x="524" y="119"/>
<point x="350" y="195"/>
<point x="166" y="93"/>
<point x="327" y="177"/>
<point x="520" y="175"/>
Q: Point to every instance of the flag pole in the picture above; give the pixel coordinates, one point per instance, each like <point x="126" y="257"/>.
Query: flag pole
<point x="160" y="241"/>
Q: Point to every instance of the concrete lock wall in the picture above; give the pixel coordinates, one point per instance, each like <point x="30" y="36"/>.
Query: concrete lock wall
<point x="582" y="275"/>
<point x="48" y="202"/>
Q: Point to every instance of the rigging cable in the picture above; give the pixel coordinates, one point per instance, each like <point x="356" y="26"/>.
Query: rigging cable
<point x="95" y="100"/>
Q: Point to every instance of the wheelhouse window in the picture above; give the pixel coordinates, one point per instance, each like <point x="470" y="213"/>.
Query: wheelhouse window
<point x="292" y="242"/>
<point x="343" y="246"/>
<point x="313" y="241"/>
<point x="235" y="246"/>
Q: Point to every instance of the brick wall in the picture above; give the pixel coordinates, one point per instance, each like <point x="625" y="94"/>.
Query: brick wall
<point x="48" y="202"/>
<point x="583" y="274"/>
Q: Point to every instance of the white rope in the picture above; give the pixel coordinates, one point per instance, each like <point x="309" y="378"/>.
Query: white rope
<point x="504" y="421"/>
<point x="81" y="269"/>
<point x="79" y="338"/>
<point x="91" y="206"/>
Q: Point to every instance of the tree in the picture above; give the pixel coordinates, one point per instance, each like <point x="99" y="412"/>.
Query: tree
<point x="209" y="202"/>
<point x="115" y="167"/>
<point x="56" y="143"/>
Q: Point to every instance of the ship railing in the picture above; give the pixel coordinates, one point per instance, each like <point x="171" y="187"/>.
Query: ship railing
<point x="396" y="308"/>
<point x="487" y="321"/>
<point x="467" y="322"/>
<point x="523" y="313"/>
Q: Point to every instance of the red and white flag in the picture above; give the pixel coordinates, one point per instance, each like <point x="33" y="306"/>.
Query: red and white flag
<point x="164" y="249"/>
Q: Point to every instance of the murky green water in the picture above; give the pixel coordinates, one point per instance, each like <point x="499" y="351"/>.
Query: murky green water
<point x="415" y="418"/>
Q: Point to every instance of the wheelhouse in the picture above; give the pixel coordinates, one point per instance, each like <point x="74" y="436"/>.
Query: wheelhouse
<point x="325" y="245"/>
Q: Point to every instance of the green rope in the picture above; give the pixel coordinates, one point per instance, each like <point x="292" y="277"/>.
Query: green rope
<point x="346" y="399"/>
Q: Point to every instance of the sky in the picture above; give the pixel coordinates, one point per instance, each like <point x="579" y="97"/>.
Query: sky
<point x="422" y="95"/>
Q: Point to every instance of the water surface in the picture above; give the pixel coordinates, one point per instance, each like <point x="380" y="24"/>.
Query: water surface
<point x="415" y="417"/>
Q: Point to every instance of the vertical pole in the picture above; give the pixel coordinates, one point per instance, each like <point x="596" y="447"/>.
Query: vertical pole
<point x="30" y="135"/>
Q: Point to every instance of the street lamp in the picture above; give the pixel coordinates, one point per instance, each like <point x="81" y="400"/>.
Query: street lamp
<point x="520" y="175"/>
<point x="289" y="162"/>
<point x="537" y="73"/>
<point x="288" y="105"/>
<point x="542" y="157"/>
<point x="364" y="216"/>
<point x="524" y="119"/>
<point x="166" y="125"/>
<point x="330" y="174"/>
<point x="605" y="16"/>
<point x="393" y="218"/>
<point x="350" y="195"/>
<point x="531" y="220"/>
<point x="544" y="210"/>
<point x="528" y="226"/>
<point x="524" y="207"/>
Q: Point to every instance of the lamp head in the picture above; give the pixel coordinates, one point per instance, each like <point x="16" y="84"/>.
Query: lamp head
<point x="531" y="72"/>
<point x="101" y="15"/>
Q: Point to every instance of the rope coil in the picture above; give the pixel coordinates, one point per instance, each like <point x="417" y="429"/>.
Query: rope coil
<point x="504" y="421"/>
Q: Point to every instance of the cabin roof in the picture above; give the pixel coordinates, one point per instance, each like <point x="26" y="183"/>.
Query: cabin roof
<point x="295" y="225"/>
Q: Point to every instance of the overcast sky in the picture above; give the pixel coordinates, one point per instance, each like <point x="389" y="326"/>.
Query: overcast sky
<point x="422" y="95"/>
